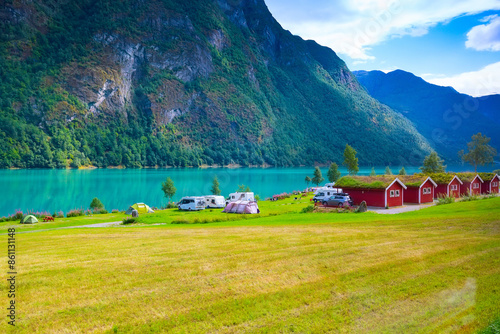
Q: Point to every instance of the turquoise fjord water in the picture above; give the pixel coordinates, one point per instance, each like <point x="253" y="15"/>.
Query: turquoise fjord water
<point x="62" y="190"/>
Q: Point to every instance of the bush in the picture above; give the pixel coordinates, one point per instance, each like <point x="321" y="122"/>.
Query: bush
<point x="180" y="221"/>
<point x="469" y="197"/>
<point x="442" y="199"/>
<point x="101" y="211"/>
<point x="115" y="211"/>
<point x="307" y="209"/>
<point x="128" y="221"/>
<point x="171" y="205"/>
<point x="75" y="213"/>
<point x="96" y="204"/>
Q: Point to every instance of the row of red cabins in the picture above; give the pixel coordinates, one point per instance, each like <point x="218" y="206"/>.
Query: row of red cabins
<point x="389" y="191"/>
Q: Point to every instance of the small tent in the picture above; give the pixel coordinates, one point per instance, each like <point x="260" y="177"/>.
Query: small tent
<point x="140" y="208"/>
<point x="29" y="219"/>
<point x="249" y="207"/>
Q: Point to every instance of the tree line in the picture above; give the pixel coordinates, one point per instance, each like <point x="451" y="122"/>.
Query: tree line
<point x="479" y="153"/>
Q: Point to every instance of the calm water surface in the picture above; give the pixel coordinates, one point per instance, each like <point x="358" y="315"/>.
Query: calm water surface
<point x="55" y="190"/>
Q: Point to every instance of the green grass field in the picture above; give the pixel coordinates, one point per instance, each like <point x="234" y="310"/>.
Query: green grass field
<point x="436" y="270"/>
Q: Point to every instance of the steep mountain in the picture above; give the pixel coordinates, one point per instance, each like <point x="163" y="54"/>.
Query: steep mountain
<point x="180" y="83"/>
<point x="445" y="117"/>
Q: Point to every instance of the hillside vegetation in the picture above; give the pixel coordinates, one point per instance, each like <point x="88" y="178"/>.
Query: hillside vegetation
<point x="180" y="83"/>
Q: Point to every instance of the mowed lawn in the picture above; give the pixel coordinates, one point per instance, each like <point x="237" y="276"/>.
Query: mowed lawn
<point x="432" y="271"/>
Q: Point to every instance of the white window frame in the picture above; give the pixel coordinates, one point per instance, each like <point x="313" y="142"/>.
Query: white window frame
<point x="475" y="186"/>
<point x="494" y="184"/>
<point x="392" y="193"/>
<point x="396" y="193"/>
<point x="454" y="187"/>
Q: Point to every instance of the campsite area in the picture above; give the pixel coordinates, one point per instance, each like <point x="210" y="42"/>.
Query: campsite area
<point x="284" y="270"/>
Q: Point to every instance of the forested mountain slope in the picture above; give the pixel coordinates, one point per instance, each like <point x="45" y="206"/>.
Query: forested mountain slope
<point x="180" y="83"/>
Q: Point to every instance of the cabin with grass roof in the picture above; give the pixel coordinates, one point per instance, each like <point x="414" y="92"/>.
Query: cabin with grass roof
<point x="471" y="183"/>
<point x="420" y="188"/>
<point x="447" y="185"/>
<point x="490" y="183"/>
<point x="380" y="191"/>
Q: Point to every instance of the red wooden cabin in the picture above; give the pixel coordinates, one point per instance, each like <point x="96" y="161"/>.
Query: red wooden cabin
<point x="447" y="185"/>
<point x="420" y="188"/>
<point x="381" y="191"/>
<point x="490" y="183"/>
<point x="471" y="183"/>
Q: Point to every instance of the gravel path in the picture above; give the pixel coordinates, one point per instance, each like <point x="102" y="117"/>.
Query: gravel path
<point x="399" y="209"/>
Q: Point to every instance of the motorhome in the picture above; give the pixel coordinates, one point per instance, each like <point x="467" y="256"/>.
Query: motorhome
<point x="191" y="203"/>
<point x="213" y="201"/>
<point x="324" y="193"/>
<point x="243" y="196"/>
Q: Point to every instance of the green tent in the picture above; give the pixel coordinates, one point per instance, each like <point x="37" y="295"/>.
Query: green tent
<point x="140" y="207"/>
<point x="29" y="219"/>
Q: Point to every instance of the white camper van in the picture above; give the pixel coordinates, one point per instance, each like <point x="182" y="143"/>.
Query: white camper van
<point x="245" y="196"/>
<point x="213" y="201"/>
<point x="191" y="203"/>
<point x="323" y="193"/>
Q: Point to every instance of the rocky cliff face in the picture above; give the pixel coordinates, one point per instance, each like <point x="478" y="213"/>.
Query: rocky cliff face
<point x="185" y="83"/>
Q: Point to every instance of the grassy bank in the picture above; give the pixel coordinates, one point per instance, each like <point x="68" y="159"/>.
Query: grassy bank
<point x="432" y="271"/>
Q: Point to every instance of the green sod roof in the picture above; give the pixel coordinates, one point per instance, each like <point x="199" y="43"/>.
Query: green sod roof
<point x="466" y="177"/>
<point x="413" y="180"/>
<point x="368" y="182"/>
<point x="487" y="176"/>
<point x="441" y="178"/>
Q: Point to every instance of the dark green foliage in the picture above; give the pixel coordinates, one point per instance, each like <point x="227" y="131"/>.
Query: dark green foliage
<point x="243" y="189"/>
<point x="372" y="173"/>
<point x="479" y="153"/>
<point x="433" y="164"/>
<point x="308" y="180"/>
<point x="128" y="221"/>
<point x="96" y="204"/>
<point x="318" y="177"/>
<point x="215" y="186"/>
<point x="402" y="171"/>
<point x="388" y="170"/>
<point x="333" y="172"/>
<point x="350" y="160"/>
<point x="168" y="188"/>
<point x="308" y="209"/>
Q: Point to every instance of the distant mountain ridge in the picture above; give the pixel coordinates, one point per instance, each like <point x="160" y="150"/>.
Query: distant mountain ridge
<point x="444" y="116"/>
<point x="180" y="83"/>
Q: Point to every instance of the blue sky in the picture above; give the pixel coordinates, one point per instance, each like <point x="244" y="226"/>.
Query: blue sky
<point x="447" y="42"/>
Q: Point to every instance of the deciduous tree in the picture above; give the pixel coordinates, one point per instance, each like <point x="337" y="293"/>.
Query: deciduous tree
<point x="333" y="172"/>
<point x="318" y="177"/>
<point x="479" y="153"/>
<point x="433" y="164"/>
<point x="350" y="160"/>
<point x="168" y="188"/>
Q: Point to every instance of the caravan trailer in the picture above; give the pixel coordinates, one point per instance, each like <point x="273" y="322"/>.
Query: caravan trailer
<point x="191" y="203"/>
<point x="213" y="201"/>
<point x="243" y="196"/>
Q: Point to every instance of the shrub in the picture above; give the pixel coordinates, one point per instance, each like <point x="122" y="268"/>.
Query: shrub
<point x="75" y="213"/>
<point x="180" y="221"/>
<point x="101" y="211"/>
<point x="442" y="199"/>
<point x="469" y="197"/>
<point x="307" y="209"/>
<point x="115" y="211"/>
<point x="171" y="205"/>
<point x="128" y="221"/>
<point x="96" y="204"/>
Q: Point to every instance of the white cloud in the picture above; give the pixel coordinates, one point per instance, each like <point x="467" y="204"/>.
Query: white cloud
<point x="479" y="83"/>
<point x="485" y="37"/>
<point x="350" y="27"/>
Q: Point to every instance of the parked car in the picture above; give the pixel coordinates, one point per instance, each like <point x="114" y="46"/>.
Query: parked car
<point x="191" y="203"/>
<point x="339" y="200"/>
<point x="325" y="193"/>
